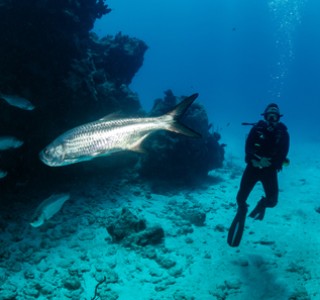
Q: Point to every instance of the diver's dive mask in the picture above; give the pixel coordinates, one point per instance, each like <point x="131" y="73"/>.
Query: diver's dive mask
<point x="272" y="114"/>
<point x="272" y="120"/>
<point x="272" y="117"/>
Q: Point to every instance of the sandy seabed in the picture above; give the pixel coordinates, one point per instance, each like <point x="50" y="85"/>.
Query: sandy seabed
<point x="279" y="258"/>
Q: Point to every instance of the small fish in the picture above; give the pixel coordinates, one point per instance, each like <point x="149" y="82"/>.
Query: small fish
<point x="9" y="142"/>
<point x="106" y="136"/>
<point x="3" y="173"/>
<point x="48" y="208"/>
<point x="18" y="101"/>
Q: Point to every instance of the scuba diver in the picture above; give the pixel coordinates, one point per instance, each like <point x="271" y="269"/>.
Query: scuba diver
<point x="266" y="150"/>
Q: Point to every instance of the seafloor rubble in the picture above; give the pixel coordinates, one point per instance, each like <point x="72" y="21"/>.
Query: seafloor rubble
<point x="49" y="56"/>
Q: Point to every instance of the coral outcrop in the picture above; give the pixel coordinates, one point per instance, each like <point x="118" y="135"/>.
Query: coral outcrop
<point x="49" y="56"/>
<point x="133" y="232"/>
<point x="176" y="158"/>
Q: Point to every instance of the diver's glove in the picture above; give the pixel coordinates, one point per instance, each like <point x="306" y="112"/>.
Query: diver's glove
<point x="261" y="162"/>
<point x="259" y="210"/>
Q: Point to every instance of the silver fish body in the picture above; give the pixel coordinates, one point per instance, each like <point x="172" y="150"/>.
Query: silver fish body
<point x="106" y="136"/>
<point x="18" y="101"/>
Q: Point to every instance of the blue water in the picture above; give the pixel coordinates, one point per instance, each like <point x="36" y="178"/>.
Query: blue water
<point x="239" y="55"/>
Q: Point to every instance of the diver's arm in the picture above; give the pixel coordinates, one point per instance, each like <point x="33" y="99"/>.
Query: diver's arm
<point x="283" y="150"/>
<point x="251" y="148"/>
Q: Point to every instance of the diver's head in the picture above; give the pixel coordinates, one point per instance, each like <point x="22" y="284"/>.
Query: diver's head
<point x="272" y="114"/>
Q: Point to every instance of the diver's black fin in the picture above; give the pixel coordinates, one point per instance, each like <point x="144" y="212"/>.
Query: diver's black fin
<point x="237" y="227"/>
<point x="259" y="211"/>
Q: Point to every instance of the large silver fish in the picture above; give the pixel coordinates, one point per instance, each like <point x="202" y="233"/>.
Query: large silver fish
<point x="106" y="136"/>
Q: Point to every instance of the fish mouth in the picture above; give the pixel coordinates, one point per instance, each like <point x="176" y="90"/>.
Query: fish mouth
<point x="52" y="160"/>
<point x="43" y="158"/>
<point x="47" y="160"/>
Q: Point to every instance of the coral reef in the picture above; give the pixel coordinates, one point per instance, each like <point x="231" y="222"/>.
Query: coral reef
<point x="177" y="158"/>
<point x="50" y="57"/>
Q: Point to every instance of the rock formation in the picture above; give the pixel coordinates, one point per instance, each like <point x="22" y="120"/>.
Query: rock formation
<point x="49" y="56"/>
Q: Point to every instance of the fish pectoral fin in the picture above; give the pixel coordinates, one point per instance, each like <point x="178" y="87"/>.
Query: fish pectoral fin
<point x="136" y="147"/>
<point x="98" y="153"/>
<point x="102" y="152"/>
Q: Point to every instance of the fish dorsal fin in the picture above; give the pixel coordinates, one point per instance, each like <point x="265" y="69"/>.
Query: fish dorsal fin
<point x="113" y="116"/>
<point x="121" y="115"/>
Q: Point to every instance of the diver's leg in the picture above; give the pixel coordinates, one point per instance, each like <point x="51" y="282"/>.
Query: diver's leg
<point x="271" y="188"/>
<point x="269" y="180"/>
<point x="248" y="181"/>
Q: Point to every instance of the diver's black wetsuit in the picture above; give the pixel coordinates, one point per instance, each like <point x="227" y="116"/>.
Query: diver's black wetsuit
<point x="266" y="149"/>
<point x="263" y="142"/>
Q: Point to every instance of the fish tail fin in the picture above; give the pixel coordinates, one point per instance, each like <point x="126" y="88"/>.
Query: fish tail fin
<point x="174" y="125"/>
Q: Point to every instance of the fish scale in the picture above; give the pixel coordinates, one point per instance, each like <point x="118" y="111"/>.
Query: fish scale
<point x="102" y="137"/>
<point x="106" y="136"/>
